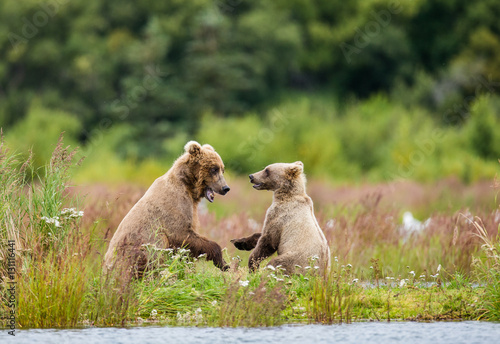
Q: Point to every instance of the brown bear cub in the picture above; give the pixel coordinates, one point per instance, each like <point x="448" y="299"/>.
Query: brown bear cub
<point x="290" y="227"/>
<point x="167" y="214"/>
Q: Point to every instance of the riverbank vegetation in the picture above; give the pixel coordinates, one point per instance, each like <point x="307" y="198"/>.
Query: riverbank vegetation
<point x="383" y="267"/>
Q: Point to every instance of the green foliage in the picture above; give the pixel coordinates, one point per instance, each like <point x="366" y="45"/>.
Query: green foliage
<point x="375" y="138"/>
<point x="160" y="67"/>
<point x="103" y="164"/>
<point x="483" y="133"/>
<point x="39" y="130"/>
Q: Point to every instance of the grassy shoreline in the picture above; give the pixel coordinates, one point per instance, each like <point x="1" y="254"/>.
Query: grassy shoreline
<point x="450" y="271"/>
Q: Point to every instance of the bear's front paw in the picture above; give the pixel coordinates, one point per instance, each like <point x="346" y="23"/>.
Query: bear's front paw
<point x="247" y="243"/>
<point x="239" y="244"/>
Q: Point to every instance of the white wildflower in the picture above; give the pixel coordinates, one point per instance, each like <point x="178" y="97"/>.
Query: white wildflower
<point x="183" y="251"/>
<point x="50" y="220"/>
<point x="349" y="266"/>
<point x="307" y="267"/>
<point x="165" y="273"/>
<point x="71" y="213"/>
<point x="402" y="283"/>
<point x="355" y="280"/>
<point x="439" y="268"/>
<point x="154" y="313"/>
<point x="412" y="273"/>
<point x="214" y="302"/>
<point x="244" y="283"/>
<point x="188" y="317"/>
<point x="316" y="267"/>
<point x="202" y="255"/>
<point x="315" y="257"/>
<point x="270" y="267"/>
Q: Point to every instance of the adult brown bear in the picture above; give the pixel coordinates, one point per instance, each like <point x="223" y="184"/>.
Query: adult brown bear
<point x="167" y="214"/>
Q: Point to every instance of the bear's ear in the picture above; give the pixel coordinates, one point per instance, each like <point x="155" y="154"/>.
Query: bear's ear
<point x="207" y="146"/>
<point x="193" y="148"/>
<point x="296" y="169"/>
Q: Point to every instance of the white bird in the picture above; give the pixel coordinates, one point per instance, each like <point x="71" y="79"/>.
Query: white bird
<point x="412" y="225"/>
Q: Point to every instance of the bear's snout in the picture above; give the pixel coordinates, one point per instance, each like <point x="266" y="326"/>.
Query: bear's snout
<point x="251" y="178"/>
<point x="225" y="190"/>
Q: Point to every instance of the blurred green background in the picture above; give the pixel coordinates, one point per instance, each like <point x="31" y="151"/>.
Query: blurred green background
<point x="369" y="90"/>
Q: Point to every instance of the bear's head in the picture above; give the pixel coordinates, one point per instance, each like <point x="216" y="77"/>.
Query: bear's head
<point x="209" y="169"/>
<point x="279" y="177"/>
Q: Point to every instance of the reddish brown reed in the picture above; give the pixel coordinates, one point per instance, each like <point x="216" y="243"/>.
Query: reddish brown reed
<point x="359" y="222"/>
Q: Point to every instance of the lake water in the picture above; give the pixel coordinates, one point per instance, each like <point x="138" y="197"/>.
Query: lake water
<point x="355" y="333"/>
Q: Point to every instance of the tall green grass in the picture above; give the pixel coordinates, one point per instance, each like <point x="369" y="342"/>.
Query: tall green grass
<point x="332" y="295"/>
<point x="58" y="276"/>
<point x="252" y="306"/>
<point x="488" y="270"/>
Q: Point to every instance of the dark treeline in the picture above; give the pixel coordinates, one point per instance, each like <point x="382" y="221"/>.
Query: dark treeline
<point x="158" y="66"/>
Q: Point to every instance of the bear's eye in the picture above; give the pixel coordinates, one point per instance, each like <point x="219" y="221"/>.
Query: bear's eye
<point x="266" y="171"/>
<point x="214" y="170"/>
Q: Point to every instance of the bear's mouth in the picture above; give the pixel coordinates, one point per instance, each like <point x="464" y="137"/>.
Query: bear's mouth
<point x="257" y="186"/>
<point x="209" y="195"/>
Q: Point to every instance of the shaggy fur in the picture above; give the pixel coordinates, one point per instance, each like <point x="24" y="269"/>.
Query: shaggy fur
<point x="167" y="214"/>
<point x="290" y="227"/>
